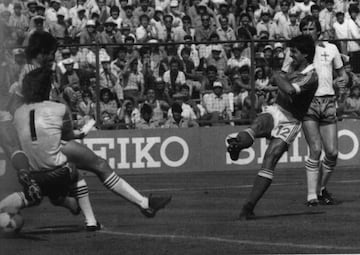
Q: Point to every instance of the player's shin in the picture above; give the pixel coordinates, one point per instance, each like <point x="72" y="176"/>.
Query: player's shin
<point x="81" y="193"/>
<point x="120" y="187"/>
<point x="15" y="200"/>
<point x="328" y="165"/>
<point x="261" y="184"/>
<point x="312" y="175"/>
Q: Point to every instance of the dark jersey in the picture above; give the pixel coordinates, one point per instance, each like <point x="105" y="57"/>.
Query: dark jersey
<point x="305" y="83"/>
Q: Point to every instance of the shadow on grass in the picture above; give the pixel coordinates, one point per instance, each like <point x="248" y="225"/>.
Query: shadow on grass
<point x="263" y="217"/>
<point x="57" y="229"/>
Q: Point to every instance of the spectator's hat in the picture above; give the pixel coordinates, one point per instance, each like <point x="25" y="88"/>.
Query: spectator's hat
<point x="17" y="6"/>
<point x="90" y="23"/>
<point x="188" y="38"/>
<point x="293" y="12"/>
<point x="223" y="4"/>
<point x="38" y="18"/>
<point x="40" y="6"/>
<point x="265" y="11"/>
<point x="174" y="3"/>
<point x="65" y="51"/>
<point x="159" y="80"/>
<point x="340" y="13"/>
<point x="55" y="1"/>
<point x="61" y="12"/>
<point x="202" y="5"/>
<point x="68" y="61"/>
<point x="153" y="41"/>
<point x="217" y="84"/>
<point x="236" y="46"/>
<point x="268" y="47"/>
<point x="125" y="26"/>
<point x="104" y="57"/>
<point x="110" y="21"/>
<point x="31" y="2"/>
<point x="278" y="45"/>
<point x="216" y="47"/>
<point x="18" y="51"/>
<point x="178" y="96"/>
<point x="158" y="9"/>
<point x="128" y="6"/>
<point x="81" y="8"/>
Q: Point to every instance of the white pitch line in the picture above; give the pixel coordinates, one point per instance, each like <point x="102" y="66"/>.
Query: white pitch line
<point x="229" y="241"/>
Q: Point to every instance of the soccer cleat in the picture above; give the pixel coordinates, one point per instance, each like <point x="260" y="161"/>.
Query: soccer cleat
<point x="312" y="203"/>
<point x="93" y="228"/>
<point x="325" y="198"/>
<point x="247" y="212"/>
<point x="155" y="204"/>
<point x="233" y="148"/>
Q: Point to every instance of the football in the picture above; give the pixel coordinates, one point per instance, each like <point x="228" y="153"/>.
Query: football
<point x="11" y="221"/>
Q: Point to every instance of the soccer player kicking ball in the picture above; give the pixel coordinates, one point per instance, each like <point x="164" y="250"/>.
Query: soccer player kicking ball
<point x="280" y="122"/>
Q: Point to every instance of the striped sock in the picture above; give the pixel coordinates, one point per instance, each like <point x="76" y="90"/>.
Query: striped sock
<point x="266" y="173"/>
<point x="81" y="193"/>
<point x="312" y="175"/>
<point x="120" y="187"/>
<point x="328" y="166"/>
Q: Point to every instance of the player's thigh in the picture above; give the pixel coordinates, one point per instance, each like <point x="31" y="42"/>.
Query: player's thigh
<point x="329" y="139"/>
<point x="312" y="135"/>
<point x="274" y="151"/>
<point x="263" y="125"/>
<point x="79" y="154"/>
<point x="8" y="137"/>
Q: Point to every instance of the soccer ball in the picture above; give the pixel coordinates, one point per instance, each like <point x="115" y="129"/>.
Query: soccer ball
<point x="11" y="221"/>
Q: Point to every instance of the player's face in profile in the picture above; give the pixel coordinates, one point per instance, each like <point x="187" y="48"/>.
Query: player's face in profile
<point x="297" y="56"/>
<point x="310" y="29"/>
<point x="47" y="60"/>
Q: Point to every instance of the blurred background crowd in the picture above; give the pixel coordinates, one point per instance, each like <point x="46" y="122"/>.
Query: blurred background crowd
<point x="173" y="63"/>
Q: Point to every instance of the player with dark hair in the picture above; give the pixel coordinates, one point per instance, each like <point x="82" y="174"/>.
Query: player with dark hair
<point x="280" y="122"/>
<point x="320" y="122"/>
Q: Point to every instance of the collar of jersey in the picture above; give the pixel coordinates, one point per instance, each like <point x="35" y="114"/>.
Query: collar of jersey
<point x="307" y="69"/>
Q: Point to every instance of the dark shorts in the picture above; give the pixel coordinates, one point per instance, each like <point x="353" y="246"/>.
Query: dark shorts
<point x="322" y="110"/>
<point x="55" y="183"/>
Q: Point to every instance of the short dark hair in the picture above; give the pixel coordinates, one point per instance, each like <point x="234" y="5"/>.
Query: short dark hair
<point x="315" y="7"/>
<point x="308" y="20"/>
<point x="40" y="42"/>
<point x="36" y="85"/>
<point x="211" y="69"/>
<point x="305" y="44"/>
<point x="114" y="8"/>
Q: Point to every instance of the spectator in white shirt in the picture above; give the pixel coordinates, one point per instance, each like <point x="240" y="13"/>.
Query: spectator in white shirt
<point x="327" y="17"/>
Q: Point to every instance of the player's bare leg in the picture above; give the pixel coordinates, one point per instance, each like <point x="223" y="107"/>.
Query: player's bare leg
<point x="86" y="159"/>
<point x="261" y="127"/>
<point x="311" y="131"/>
<point x="263" y="180"/>
<point x="330" y="143"/>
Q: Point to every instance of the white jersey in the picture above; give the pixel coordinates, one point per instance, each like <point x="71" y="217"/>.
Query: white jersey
<point x="327" y="57"/>
<point x="39" y="127"/>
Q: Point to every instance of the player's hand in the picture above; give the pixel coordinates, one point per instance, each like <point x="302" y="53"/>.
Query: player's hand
<point x="31" y="188"/>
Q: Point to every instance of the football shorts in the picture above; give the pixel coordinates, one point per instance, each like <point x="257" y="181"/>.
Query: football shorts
<point x="55" y="183"/>
<point x="322" y="110"/>
<point x="286" y="127"/>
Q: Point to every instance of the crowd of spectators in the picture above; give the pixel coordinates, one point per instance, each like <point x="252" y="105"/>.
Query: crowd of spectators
<point x="198" y="79"/>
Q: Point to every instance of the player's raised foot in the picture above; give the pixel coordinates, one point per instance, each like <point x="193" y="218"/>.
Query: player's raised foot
<point x="93" y="228"/>
<point x="312" y="203"/>
<point x="233" y="148"/>
<point x="325" y="198"/>
<point x="155" y="204"/>
<point x="247" y="212"/>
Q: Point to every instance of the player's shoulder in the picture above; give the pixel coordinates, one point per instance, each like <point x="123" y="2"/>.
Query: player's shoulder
<point x="331" y="46"/>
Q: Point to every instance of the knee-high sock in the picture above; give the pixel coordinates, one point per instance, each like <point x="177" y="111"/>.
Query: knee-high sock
<point x="261" y="184"/>
<point x="312" y="176"/>
<point x="15" y="200"/>
<point x="81" y="193"/>
<point x="328" y="166"/>
<point x="120" y="187"/>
